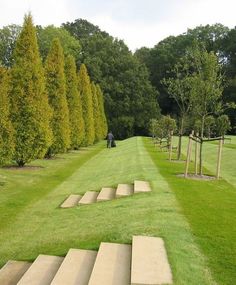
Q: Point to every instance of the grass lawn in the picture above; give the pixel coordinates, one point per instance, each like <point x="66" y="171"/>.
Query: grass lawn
<point x="31" y="222"/>
<point x="209" y="207"/>
<point x="210" y="152"/>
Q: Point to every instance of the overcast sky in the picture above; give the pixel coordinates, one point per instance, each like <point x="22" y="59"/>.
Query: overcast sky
<point x="138" y="22"/>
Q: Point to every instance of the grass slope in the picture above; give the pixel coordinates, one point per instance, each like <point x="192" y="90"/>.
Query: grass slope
<point x="39" y="226"/>
<point x="209" y="207"/>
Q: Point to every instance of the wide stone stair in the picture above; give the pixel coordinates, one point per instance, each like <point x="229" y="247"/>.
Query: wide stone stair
<point x="144" y="262"/>
<point x="106" y="194"/>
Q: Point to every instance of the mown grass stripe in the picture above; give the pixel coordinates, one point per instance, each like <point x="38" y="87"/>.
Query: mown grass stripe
<point x="209" y="207"/>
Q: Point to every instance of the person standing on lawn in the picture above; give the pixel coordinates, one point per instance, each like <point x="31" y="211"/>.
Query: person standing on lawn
<point x="110" y="138"/>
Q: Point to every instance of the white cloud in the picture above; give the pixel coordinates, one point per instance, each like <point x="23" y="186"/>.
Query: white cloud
<point x="137" y="22"/>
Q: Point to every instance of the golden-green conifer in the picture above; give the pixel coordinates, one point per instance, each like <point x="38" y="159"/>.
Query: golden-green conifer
<point x="98" y="126"/>
<point x="102" y="111"/>
<point x="74" y="103"/>
<point x="56" y="88"/>
<point x="30" y="111"/>
<point x="6" y="129"/>
<point x="84" y="87"/>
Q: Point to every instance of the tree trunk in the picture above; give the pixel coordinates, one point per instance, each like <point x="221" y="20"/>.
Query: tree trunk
<point x="20" y="163"/>
<point x="201" y="145"/>
<point x="200" y="158"/>
<point x="180" y="137"/>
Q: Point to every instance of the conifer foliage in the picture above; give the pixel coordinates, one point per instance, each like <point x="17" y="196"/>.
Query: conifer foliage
<point x="96" y="114"/>
<point x="74" y="103"/>
<point x="6" y="128"/>
<point x="84" y="87"/>
<point x="29" y="104"/>
<point x="102" y="115"/>
<point x="56" y="87"/>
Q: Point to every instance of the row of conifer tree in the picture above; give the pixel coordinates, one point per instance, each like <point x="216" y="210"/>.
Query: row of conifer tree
<point x="47" y="109"/>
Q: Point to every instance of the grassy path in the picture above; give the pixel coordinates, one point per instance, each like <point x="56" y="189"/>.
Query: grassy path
<point x="209" y="207"/>
<point x="39" y="226"/>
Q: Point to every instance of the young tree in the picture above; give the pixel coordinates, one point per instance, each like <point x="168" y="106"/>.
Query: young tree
<point x="6" y="129"/>
<point x="222" y="125"/>
<point x="84" y="87"/>
<point x="209" y="125"/>
<point x="30" y="111"/>
<point x="152" y="127"/>
<point x="206" y="93"/>
<point x="56" y="87"/>
<point x="98" y="124"/>
<point x="74" y="103"/>
<point x="102" y="115"/>
<point x="179" y="88"/>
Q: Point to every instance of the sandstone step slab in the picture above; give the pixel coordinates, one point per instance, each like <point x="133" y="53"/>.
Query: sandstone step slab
<point x="76" y="268"/>
<point x="12" y="272"/>
<point x="149" y="262"/>
<point x="89" y="198"/>
<point x="124" y="190"/>
<point x="106" y="194"/>
<point x="112" y="266"/>
<point x="71" y="201"/>
<point x="42" y="271"/>
<point x="141" y="186"/>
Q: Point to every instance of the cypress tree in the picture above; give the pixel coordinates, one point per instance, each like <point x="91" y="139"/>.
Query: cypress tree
<point x="30" y="111"/>
<point x="96" y="114"/>
<point x="103" y="119"/>
<point x="84" y="87"/>
<point x="6" y="129"/>
<point x="56" y="87"/>
<point x="74" y="103"/>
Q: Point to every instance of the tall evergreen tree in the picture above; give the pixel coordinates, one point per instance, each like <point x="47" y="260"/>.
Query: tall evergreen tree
<point x="102" y="114"/>
<point x="74" y="103"/>
<point x="84" y="87"/>
<point x="98" y="127"/>
<point x="6" y="129"/>
<point x="56" y="87"/>
<point x="29" y="102"/>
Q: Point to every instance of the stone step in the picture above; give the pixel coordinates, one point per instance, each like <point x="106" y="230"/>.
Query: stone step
<point x="12" y="272"/>
<point x="149" y="262"/>
<point x="124" y="190"/>
<point x="141" y="186"/>
<point x="42" y="271"/>
<point x="76" y="268"/>
<point x="112" y="266"/>
<point x="71" y="201"/>
<point x="106" y="194"/>
<point x="89" y="198"/>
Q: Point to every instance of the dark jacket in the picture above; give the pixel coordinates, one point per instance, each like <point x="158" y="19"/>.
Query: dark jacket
<point x="110" y="137"/>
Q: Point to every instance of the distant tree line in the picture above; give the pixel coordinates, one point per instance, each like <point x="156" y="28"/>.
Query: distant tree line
<point x="170" y="60"/>
<point x="133" y="84"/>
<point x="47" y="108"/>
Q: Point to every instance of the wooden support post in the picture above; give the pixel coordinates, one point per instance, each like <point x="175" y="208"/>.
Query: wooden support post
<point x="219" y="158"/>
<point x="188" y="155"/>
<point x="196" y="155"/>
<point x="171" y="145"/>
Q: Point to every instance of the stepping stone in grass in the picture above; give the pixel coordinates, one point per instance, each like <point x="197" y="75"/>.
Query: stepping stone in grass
<point x="112" y="266"/>
<point x="149" y="262"/>
<point x="12" y="272"/>
<point x="71" y="201"/>
<point x="106" y="194"/>
<point x="42" y="271"/>
<point x="76" y="268"/>
<point x="89" y="198"/>
<point x="141" y="186"/>
<point x="124" y="190"/>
